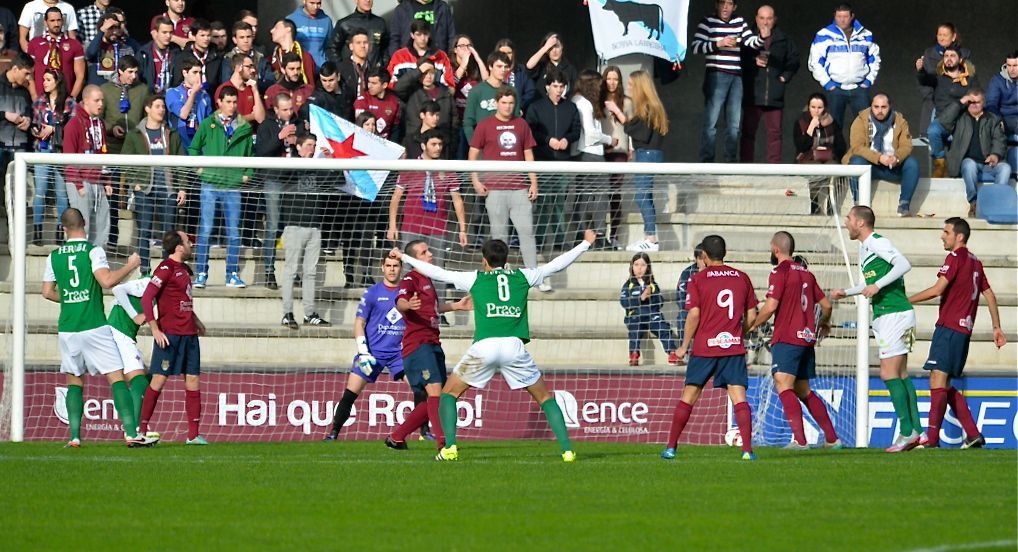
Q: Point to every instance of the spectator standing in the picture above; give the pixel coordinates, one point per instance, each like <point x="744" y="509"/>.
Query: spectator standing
<point x="613" y="91"/>
<point x="507" y="137"/>
<point x="200" y="49"/>
<point x="57" y="51"/>
<point x="222" y="134"/>
<point x="87" y="188"/>
<point x="719" y="37"/>
<point x="947" y="37"/>
<point x="6" y="53"/>
<point x="243" y="40"/>
<point x="155" y="194"/>
<point x="304" y="210"/>
<point x="1002" y="100"/>
<point x="592" y="194"/>
<point x="250" y="105"/>
<point x="954" y="79"/>
<point x="646" y="129"/>
<point x="314" y="28"/>
<point x="353" y="69"/>
<point x="291" y="83"/>
<point x="766" y="70"/>
<point x="123" y="103"/>
<point x="845" y="60"/>
<point x="555" y="124"/>
<point x="16" y="109"/>
<point x="429" y="113"/>
<point x="329" y="94"/>
<point x="880" y="138"/>
<point x="217" y="35"/>
<point x="435" y="12"/>
<point x="157" y="58"/>
<point x="108" y="46"/>
<point x="420" y="86"/>
<point x="188" y="103"/>
<point x="468" y="70"/>
<point x="88" y="20"/>
<point x="9" y="25"/>
<point x="405" y="60"/>
<point x="284" y="37"/>
<point x="551" y="56"/>
<point x="50" y="113"/>
<point x="32" y="22"/>
<point x="516" y="75"/>
<point x="978" y="148"/>
<point x="681" y="292"/>
<point x="181" y="23"/>
<point x="481" y="102"/>
<point x="362" y="19"/>
<point x="384" y="105"/>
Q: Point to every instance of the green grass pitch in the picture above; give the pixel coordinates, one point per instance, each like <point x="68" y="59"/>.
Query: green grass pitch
<point x="501" y="495"/>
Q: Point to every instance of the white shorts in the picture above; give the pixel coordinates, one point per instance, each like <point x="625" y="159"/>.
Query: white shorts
<point x="505" y="354"/>
<point x="895" y="333"/>
<point x="130" y="355"/>
<point x="91" y="351"/>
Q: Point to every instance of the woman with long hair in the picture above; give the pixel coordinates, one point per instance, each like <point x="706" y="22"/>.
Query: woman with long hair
<point x="551" y="55"/>
<point x="592" y="189"/>
<point x="517" y="76"/>
<point x="647" y="129"/>
<point x="641" y="298"/>
<point x="50" y="112"/>
<point x="468" y="70"/>
<point x="613" y="91"/>
<point x="947" y="36"/>
<point x="817" y="139"/>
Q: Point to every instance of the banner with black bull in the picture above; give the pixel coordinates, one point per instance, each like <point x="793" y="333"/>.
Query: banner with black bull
<point x="646" y="27"/>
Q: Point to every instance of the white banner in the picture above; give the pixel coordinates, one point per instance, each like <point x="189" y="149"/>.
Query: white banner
<point x="653" y="27"/>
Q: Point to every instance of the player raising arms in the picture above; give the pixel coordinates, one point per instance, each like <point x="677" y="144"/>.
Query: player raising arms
<point x="378" y="331"/>
<point x="423" y="357"/>
<point x="175" y="333"/>
<point x="793" y="293"/>
<point x="501" y="330"/>
<point x="76" y="273"/>
<point x="883" y="271"/>
<point x="959" y="282"/>
<point x="721" y="305"/>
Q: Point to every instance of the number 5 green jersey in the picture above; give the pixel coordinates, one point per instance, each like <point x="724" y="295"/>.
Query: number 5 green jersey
<point x="72" y="267"/>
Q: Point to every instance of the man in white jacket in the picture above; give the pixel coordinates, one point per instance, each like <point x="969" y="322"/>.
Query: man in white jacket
<point x="845" y="61"/>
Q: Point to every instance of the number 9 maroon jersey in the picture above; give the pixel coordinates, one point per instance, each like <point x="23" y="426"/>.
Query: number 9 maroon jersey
<point x="723" y="294"/>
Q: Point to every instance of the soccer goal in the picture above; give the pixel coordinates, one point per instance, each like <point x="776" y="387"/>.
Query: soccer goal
<point x="263" y="380"/>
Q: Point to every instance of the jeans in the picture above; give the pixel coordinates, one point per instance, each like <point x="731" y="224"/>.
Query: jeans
<point x="656" y="325"/>
<point x="973" y="172"/>
<point x="506" y="205"/>
<point x="721" y="90"/>
<point x="751" y="116"/>
<point x="230" y="199"/>
<point x="645" y="190"/>
<point x="937" y="135"/>
<point x="43" y="175"/>
<point x="161" y="204"/>
<point x="857" y="99"/>
<point x="272" y="194"/>
<point x="905" y="173"/>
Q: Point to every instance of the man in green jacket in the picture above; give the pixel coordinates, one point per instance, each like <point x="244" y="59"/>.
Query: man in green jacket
<point x="123" y="103"/>
<point x="155" y="195"/>
<point x="223" y="134"/>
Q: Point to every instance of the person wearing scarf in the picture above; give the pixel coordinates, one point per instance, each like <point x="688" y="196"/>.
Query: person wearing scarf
<point x="55" y="50"/>
<point x="947" y="37"/>
<point x="87" y="190"/>
<point x="284" y="36"/>
<point x="123" y="102"/>
<point x="954" y="79"/>
<point x="880" y="138"/>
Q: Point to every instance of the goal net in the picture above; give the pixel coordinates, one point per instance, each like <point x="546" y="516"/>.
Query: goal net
<point x="264" y="381"/>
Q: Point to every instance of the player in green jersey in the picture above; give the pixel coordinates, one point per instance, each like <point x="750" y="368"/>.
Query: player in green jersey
<point x="501" y="330"/>
<point x="125" y="318"/>
<point x="76" y="274"/>
<point x="883" y="269"/>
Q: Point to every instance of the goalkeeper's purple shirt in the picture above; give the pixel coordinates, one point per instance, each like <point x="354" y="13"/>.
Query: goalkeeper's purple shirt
<point x="384" y="325"/>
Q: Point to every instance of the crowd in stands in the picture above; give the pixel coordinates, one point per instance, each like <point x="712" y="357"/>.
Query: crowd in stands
<point x="77" y="82"/>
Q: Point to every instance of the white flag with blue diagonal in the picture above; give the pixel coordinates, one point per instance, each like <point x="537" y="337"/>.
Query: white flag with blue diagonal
<point x="341" y="139"/>
<point x="653" y="27"/>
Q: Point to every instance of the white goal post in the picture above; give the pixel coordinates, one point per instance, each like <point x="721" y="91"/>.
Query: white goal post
<point x="18" y="240"/>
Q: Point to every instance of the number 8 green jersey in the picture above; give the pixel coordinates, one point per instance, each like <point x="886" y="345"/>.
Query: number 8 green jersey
<point x="71" y="266"/>
<point x="500" y="304"/>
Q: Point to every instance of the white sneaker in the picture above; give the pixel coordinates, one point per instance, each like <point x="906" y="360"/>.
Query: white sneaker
<point x="544" y="287"/>
<point x="644" y="246"/>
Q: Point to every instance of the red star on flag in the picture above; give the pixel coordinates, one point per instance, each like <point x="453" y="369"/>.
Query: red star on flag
<point x="344" y="149"/>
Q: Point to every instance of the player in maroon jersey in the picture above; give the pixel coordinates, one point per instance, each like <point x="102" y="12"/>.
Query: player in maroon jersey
<point x="721" y="304"/>
<point x="175" y="333"/>
<point x="793" y="293"/>
<point x="959" y="283"/>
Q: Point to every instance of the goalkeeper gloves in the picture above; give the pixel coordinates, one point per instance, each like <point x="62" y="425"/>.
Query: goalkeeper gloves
<point x="365" y="361"/>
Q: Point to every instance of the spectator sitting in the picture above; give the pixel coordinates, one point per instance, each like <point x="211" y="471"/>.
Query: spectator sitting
<point x="405" y="60"/>
<point x="1002" y="99"/>
<point x="680" y="289"/>
<point x="845" y="60"/>
<point x="817" y="139"/>
<point x="50" y="112"/>
<point x="947" y="37"/>
<point x="955" y="77"/>
<point x="303" y="212"/>
<point x="421" y="87"/>
<point x="978" y="148"/>
<point x="291" y="83"/>
<point x="880" y="138"/>
<point x="641" y="299"/>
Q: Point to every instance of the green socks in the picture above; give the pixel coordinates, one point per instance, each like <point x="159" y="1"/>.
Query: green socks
<point x="125" y="408"/>
<point x="75" y="408"/>
<point x="139" y="384"/>
<point x="557" y="423"/>
<point x="913" y="404"/>
<point x="900" y="400"/>
<point x="447" y="413"/>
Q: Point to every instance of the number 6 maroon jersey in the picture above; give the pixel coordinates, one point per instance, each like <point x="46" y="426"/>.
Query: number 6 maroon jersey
<point x="723" y="294"/>
<point x="797" y="293"/>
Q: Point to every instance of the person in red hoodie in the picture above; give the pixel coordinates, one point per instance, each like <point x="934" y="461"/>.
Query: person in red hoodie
<point x="87" y="189"/>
